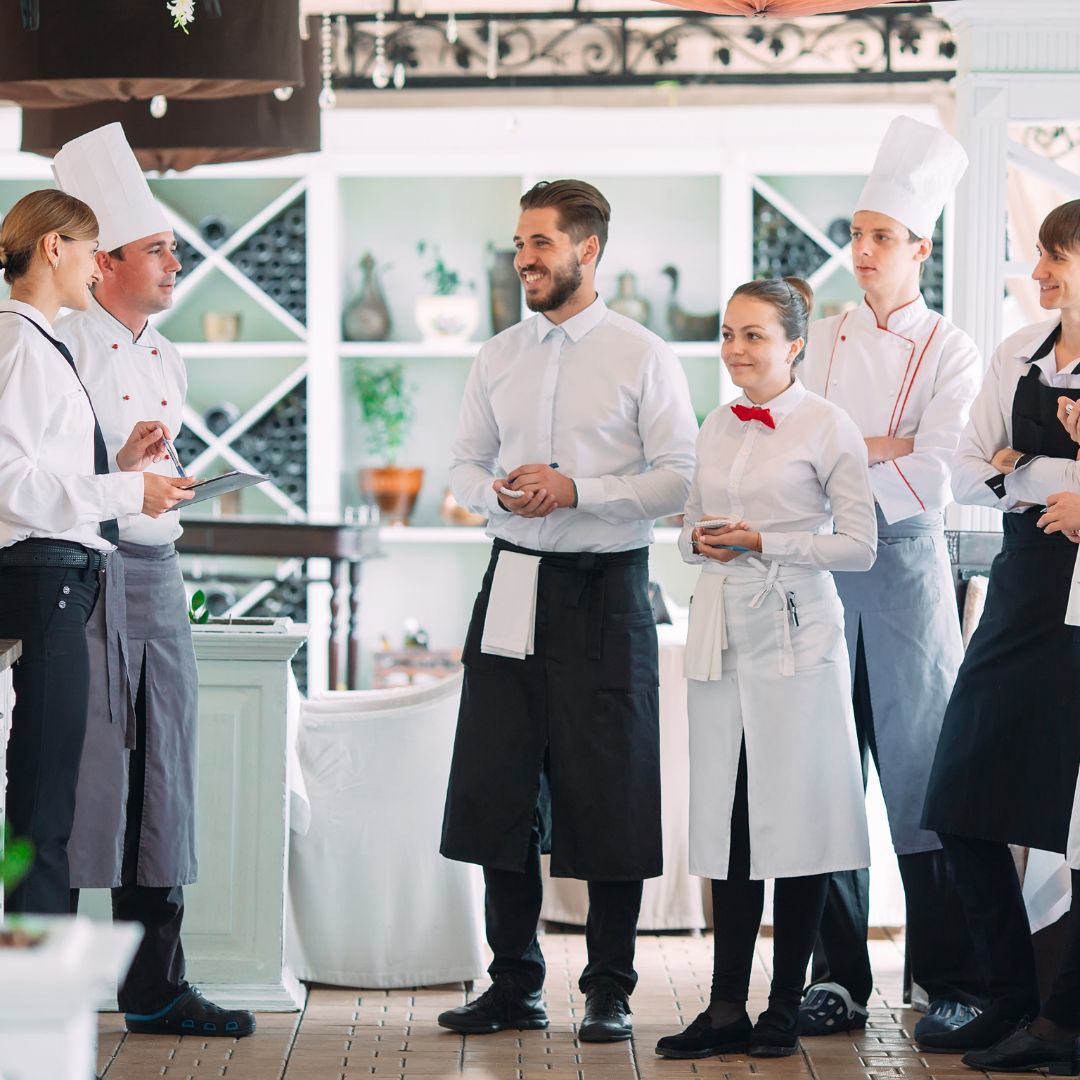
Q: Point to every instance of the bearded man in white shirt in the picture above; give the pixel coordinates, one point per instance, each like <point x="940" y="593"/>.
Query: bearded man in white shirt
<point x="907" y="377"/>
<point x="576" y="431"/>
<point x="135" y="813"/>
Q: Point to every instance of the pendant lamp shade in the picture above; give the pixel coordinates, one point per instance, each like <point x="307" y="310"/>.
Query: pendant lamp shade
<point x="194" y="132"/>
<point x="128" y="49"/>
<point x="788" y="9"/>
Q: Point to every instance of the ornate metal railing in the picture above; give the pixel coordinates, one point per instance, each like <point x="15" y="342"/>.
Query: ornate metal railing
<point x="631" y="48"/>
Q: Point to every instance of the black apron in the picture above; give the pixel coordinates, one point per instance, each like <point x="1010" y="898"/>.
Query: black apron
<point x="1009" y="752"/>
<point x="578" y="719"/>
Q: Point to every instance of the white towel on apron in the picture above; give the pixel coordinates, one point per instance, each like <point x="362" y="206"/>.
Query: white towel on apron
<point x="511" y="613"/>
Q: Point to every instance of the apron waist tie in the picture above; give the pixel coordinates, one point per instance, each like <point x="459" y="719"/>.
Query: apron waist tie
<point x="772" y="584"/>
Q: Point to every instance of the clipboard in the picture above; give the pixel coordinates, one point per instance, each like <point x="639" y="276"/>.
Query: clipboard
<point x="220" y="485"/>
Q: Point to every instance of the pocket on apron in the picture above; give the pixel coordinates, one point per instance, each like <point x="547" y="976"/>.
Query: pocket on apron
<point x="628" y="652"/>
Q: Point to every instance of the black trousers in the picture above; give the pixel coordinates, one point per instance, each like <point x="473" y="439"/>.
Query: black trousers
<point x="985" y="876"/>
<point x="737" y="906"/>
<point x="940" y="951"/>
<point x="512" y="913"/>
<point x="156" y="975"/>
<point x="47" y="609"/>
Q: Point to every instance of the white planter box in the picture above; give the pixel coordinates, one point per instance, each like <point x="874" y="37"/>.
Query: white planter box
<point x="49" y="995"/>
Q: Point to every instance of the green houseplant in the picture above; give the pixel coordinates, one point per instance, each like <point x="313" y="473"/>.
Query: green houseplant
<point x="386" y="412"/>
<point x="451" y="312"/>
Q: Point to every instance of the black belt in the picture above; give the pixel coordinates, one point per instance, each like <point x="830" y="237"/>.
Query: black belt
<point x="52" y="553"/>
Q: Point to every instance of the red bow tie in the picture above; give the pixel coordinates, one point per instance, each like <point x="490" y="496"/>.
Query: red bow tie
<point x="754" y="413"/>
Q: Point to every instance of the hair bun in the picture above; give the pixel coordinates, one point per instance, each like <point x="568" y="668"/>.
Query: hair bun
<point x="804" y="290"/>
<point x="3" y="257"/>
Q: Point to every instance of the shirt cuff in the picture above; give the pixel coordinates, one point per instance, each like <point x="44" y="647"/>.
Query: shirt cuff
<point x="494" y="507"/>
<point x="590" y="494"/>
<point x="997" y="485"/>
<point x="775" y="543"/>
<point x="124" y="493"/>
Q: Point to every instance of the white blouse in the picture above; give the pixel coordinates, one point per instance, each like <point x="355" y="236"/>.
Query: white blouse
<point x="129" y="379"/>
<point x="47" y="482"/>
<point x="989" y="430"/>
<point x="803" y="485"/>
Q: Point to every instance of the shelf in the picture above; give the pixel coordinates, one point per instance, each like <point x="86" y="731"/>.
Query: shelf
<point x="244" y="350"/>
<point x="425" y="350"/>
<point x="464" y="534"/>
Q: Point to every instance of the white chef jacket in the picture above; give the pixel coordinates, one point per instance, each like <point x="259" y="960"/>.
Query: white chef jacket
<point x="914" y="378"/>
<point x="975" y="480"/>
<point x="792" y="484"/>
<point x="602" y="397"/>
<point x="47" y="482"/>
<point x="129" y="379"/>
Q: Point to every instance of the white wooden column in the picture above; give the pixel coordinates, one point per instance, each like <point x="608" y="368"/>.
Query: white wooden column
<point x="1019" y="63"/>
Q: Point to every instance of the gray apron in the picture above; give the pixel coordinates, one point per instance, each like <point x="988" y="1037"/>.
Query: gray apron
<point x="905" y="606"/>
<point x="143" y="619"/>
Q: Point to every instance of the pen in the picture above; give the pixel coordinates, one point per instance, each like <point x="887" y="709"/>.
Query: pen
<point x="171" y="450"/>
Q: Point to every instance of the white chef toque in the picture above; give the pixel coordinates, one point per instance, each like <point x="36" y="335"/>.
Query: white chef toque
<point x="100" y="169"/>
<point x="916" y="170"/>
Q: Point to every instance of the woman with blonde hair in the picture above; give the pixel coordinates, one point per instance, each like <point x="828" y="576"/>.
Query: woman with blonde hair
<point x="58" y="509"/>
<point x="775" y="776"/>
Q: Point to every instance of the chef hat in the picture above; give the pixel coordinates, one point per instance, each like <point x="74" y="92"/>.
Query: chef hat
<point x="100" y="169"/>
<point x="916" y="170"/>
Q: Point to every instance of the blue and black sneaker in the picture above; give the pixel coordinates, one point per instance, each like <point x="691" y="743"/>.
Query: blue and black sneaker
<point x="192" y="1014"/>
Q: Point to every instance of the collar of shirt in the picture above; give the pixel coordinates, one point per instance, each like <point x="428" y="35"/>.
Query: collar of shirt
<point x="1040" y="352"/>
<point x="575" y="327"/>
<point x="115" y="328"/>
<point x="903" y="321"/>
<point x="780" y="406"/>
<point x="30" y="312"/>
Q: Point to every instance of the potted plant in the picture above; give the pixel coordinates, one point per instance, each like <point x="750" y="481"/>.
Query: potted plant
<point x="54" y="973"/>
<point x="448" y="314"/>
<point x="386" y="408"/>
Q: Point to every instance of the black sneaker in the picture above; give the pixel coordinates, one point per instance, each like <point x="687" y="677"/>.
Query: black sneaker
<point x="192" y="1014"/>
<point x="700" y="1039"/>
<point x="829" y="1009"/>
<point x="499" y="1008"/>
<point x="607" y="1013"/>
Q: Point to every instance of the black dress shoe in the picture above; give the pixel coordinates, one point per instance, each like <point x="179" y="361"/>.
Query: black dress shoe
<point x="192" y="1014"/>
<point x="607" y="1013"/>
<point x="501" y="1007"/>
<point x="984" y="1031"/>
<point x="774" y="1035"/>
<point x="700" y="1039"/>
<point x="1024" y="1052"/>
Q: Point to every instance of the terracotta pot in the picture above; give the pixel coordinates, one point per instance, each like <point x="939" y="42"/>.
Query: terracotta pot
<point x="394" y="491"/>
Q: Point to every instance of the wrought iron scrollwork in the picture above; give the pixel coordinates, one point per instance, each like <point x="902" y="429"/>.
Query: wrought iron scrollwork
<point x="545" y="48"/>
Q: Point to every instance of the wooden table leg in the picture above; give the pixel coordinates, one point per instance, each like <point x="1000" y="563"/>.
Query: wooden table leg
<point x="337" y="586"/>
<point x="353" y="671"/>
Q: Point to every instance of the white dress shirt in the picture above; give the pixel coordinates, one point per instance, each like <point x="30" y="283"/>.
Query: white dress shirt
<point x="794" y="483"/>
<point x="47" y="482"/>
<point x="602" y="397"/>
<point x="129" y="380"/>
<point x="990" y="429"/>
<point x="915" y="378"/>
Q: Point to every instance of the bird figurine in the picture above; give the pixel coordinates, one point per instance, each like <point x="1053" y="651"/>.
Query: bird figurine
<point x="684" y="325"/>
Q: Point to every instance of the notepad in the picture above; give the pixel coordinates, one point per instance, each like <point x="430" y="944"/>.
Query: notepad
<point x="220" y="485"/>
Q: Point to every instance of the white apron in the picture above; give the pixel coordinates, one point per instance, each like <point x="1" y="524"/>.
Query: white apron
<point x="785" y="689"/>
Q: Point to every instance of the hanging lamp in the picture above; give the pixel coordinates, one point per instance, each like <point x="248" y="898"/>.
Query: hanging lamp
<point x="57" y="53"/>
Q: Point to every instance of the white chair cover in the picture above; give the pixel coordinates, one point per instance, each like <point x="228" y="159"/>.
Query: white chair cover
<point x="372" y="903"/>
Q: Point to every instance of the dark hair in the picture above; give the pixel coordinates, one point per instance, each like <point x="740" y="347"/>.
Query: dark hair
<point x="792" y="298"/>
<point x="583" y="211"/>
<point x="1060" y="232"/>
<point x="36" y="215"/>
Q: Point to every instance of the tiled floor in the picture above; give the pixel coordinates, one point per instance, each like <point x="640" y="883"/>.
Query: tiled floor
<point x="347" y="1034"/>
